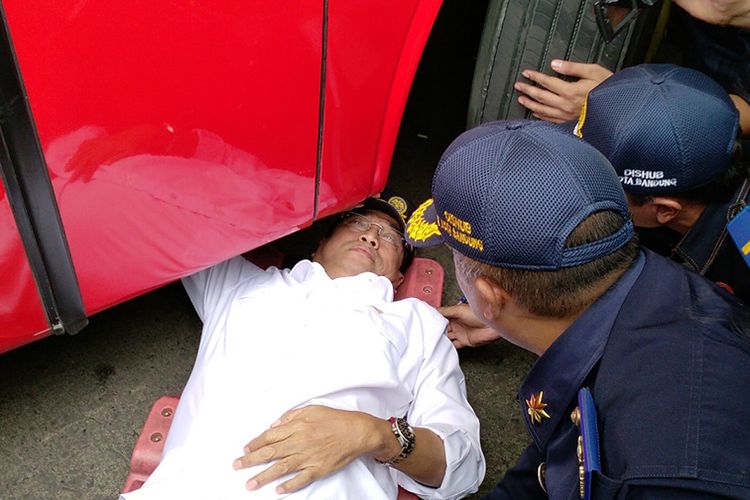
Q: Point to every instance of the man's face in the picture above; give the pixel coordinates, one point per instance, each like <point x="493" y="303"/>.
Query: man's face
<point x="357" y="248"/>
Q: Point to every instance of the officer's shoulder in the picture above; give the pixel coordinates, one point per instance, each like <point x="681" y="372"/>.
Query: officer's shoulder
<point x="690" y="290"/>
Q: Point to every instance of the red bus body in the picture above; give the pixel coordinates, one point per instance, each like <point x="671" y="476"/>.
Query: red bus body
<point x="179" y="133"/>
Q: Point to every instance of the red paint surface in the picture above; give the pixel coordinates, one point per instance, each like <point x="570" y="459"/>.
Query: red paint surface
<point x="22" y="318"/>
<point x="183" y="132"/>
<point x="373" y="55"/>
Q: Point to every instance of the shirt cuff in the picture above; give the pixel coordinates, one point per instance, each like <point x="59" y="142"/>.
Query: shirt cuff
<point x="464" y="470"/>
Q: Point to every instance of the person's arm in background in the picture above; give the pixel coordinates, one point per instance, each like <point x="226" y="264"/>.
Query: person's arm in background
<point x="723" y="12"/>
<point x="554" y="99"/>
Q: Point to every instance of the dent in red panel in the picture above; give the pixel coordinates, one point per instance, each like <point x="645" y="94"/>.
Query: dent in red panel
<point x="140" y="220"/>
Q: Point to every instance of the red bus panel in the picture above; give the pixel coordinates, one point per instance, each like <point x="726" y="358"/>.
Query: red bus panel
<point x="176" y="133"/>
<point x="182" y="132"/>
<point x="373" y="53"/>
<point x="22" y="318"/>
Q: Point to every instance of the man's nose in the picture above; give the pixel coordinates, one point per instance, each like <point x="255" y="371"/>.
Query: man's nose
<point x="371" y="237"/>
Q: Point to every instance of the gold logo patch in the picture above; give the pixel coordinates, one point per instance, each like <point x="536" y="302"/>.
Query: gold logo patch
<point x="399" y="204"/>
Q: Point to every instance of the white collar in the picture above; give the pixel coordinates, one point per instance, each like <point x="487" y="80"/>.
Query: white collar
<point x="367" y="286"/>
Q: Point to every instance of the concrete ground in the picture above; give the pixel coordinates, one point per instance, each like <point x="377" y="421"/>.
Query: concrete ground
<point x="71" y="407"/>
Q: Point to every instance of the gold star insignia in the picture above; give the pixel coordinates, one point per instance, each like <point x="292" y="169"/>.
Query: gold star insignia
<point x="537" y="408"/>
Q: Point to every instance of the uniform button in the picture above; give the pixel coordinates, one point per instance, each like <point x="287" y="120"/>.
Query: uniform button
<point x="575" y="416"/>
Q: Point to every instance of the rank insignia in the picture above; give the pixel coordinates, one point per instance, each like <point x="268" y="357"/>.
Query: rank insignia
<point x="537" y="408"/>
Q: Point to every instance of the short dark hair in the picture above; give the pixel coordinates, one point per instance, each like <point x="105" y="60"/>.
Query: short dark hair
<point x="566" y="291"/>
<point x="719" y="190"/>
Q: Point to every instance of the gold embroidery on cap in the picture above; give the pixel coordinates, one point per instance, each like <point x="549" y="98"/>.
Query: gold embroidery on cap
<point x="418" y="228"/>
<point x="582" y="118"/>
<point x="459" y="230"/>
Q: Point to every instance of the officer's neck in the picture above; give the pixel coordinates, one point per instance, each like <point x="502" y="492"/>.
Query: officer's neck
<point x="687" y="216"/>
<point x="522" y="327"/>
<point x="536" y="333"/>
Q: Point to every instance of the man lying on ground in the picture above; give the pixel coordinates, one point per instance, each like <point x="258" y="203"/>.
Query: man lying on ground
<point x="322" y="376"/>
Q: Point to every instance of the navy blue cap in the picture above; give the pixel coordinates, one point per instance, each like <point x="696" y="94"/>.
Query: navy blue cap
<point x="665" y="129"/>
<point x="509" y="193"/>
<point x="398" y="207"/>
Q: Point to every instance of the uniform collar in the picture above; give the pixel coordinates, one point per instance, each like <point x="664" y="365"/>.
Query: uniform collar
<point x="561" y="370"/>
<point x="365" y="287"/>
<point x="699" y="246"/>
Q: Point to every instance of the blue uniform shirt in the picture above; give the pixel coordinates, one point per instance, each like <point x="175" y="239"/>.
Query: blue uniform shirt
<point x="667" y="358"/>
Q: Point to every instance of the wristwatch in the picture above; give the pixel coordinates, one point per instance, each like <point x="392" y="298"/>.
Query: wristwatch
<point x="405" y="435"/>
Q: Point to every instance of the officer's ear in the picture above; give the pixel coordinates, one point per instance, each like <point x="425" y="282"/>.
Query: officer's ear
<point x="494" y="298"/>
<point x="665" y="209"/>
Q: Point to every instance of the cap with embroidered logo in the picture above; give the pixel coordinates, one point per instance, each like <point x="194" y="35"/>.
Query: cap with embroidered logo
<point x="665" y="129"/>
<point x="509" y="193"/>
<point x="398" y="207"/>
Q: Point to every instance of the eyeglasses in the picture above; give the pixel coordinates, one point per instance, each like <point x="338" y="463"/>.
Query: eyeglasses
<point x="360" y="224"/>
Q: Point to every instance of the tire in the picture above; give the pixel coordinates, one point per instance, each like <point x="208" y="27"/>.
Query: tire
<point x="528" y="34"/>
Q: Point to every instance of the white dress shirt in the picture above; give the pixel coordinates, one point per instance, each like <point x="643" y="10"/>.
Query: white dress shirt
<point x="275" y="340"/>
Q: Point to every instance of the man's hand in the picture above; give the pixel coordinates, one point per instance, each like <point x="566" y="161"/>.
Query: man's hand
<point x="313" y="441"/>
<point x="556" y="100"/>
<point x="465" y="329"/>
<point x="724" y="12"/>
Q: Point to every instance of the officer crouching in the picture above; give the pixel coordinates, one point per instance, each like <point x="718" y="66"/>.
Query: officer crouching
<point x="648" y="359"/>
